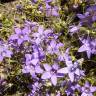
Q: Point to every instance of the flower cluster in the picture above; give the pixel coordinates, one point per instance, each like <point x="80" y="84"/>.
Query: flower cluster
<point x="47" y="8"/>
<point x="43" y="43"/>
<point x="53" y="68"/>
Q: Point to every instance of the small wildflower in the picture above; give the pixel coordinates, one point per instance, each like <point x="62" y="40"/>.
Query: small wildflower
<point x="50" y="73"/>
<point x="87" y="89"/>
<point x="4" y="51"/>
<point x="20" y="35"/>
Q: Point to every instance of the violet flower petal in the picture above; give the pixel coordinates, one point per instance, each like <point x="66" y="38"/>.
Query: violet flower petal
<point x="38" y="69"/>
<point x="93" y="89"/>
<point x="17" y="30"/>
<point x="71" y="76"/>
<point x="47" y="67"/>
<point x="46" y="75"/>
<point x="63" y="70"/>
<point x="54" y="80"/>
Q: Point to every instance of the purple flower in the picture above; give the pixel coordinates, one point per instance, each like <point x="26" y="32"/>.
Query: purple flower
<point x="4" y="51"/>
<point x="32" y="63"/>
<point x="36" y="56"/>
<point x="31" y="24"/>
<point x="87" y="89"/>
<point x="53" y="47"/>
<point x="50" y="73"/>
<point x="32" y="58"/>
<point x="67" y="57"/>
<point x="33" y="70"/>
<point x="64" y="56"/>
<point x="52" y="11"/>
<point x="86" y="47"/>
<point x="60" y="56"/>
<point x="48" y="7"/>
<point x="38" y="36"/>
<point x="35" y="88"/>
<point x="85" y="19"/>
<point x="71" y="87"/>
<point x="92" y="11"/>
<point x="82" y="16"/>
<point x="93" y="46"/>
<point x="38" y="69"/>
<point x="40" y="53"/>
<point x="72" y="70"/>
<point x="41" y="35"/>
<point x="91" y="8"/>
<point x="28" y="69"/>
<point x="89" y="46"/>
<point x="55" y="12"/>
<point x="20" y="35"/>
<point x="89" y="16"/>
<point x="74" y="29"/>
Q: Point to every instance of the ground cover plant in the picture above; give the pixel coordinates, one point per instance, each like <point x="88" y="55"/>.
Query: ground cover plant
<point x="48" y="48"/>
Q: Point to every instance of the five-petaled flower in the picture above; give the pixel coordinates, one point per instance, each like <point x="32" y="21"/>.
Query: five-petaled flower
<point x="89" y="46"/>
<point x="21" y="35"/>
<point x="87" y="89"/>
<point x="72" y="69"/>
<point x="50" y="73"/>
